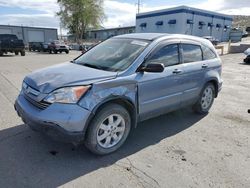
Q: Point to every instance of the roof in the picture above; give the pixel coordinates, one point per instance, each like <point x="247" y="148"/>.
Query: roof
<point x="184" y="9"/>
<point x="142" y="36"/>
<point x="28" y="27"/>
<point x="165" y="36"/>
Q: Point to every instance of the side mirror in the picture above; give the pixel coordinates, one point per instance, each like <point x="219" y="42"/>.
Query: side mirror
<point x="153" y="67"/>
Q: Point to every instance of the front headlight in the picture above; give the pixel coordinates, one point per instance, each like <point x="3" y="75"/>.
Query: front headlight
<point x="67" y="95"/>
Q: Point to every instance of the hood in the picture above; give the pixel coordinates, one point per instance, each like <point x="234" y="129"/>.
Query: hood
<point x="65" y="74"/>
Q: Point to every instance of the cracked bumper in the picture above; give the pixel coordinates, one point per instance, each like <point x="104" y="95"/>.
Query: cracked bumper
<point x="62" y="122"/>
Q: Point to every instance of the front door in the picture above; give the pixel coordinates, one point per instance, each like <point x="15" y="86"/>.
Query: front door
<point x="159" y="93"/>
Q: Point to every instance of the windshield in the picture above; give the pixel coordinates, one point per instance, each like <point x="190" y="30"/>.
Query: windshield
<point x="113" y="54"/>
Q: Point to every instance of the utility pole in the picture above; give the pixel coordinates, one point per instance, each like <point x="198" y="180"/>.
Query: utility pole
<point x="138" y="6"/>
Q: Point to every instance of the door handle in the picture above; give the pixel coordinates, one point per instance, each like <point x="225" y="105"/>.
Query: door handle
<point x="177" y="71"/>
<point x="204" y="66"/>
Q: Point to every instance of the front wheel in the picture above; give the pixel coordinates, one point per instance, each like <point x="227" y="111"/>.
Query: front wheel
<point x="206" y="99"/>
<point x="108" y="130"/>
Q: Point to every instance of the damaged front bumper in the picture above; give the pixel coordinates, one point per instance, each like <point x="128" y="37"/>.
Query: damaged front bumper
<point x="61" y="122"/>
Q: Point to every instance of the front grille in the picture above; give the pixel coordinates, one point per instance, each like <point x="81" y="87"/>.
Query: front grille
<point x="41" y="105"/>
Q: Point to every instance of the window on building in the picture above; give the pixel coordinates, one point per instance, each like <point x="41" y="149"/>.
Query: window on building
<point x="218" y="26"/>
<point x="208" y="53"/>
<point x="143" y="26"/>
<point x="191" y="53"/>
<point x="167" y="55"/>
<point x="201" y="24"/>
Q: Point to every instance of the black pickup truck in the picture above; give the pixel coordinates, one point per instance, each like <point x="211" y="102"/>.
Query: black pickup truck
<point x="10" y="43"/>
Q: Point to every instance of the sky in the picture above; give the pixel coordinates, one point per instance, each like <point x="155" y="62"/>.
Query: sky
<point x="118" y="12"/>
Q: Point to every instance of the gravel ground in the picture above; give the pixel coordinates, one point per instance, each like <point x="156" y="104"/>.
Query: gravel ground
<point x="179" y="149"/>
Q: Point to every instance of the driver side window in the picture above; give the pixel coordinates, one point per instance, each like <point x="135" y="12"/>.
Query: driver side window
<point x="167" y="55"/>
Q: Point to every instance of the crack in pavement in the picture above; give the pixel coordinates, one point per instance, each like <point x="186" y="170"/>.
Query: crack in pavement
<point x="134" y="171"/>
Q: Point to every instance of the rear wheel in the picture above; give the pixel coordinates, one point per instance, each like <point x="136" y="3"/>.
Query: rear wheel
<point x="206" y="99"/>
<point x="67" y="51"/>
<point x="108" y="130"/>
<point x="16" y="53"/>
<point x="1" y="53"/>
<point x="55" y="51"/>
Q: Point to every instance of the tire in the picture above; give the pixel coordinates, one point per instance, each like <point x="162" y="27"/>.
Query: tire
<point x="1" y="53"/>
<point x="16" y="53"/>
<point x="206" y="99"/>
<point x="23" y="53"/>
<point x="107" y="144"/>
<point x="247" y="59"/>
<point x="67" y="51"/>
<point x="50" y="51"/>
<point x="55" y="51"/>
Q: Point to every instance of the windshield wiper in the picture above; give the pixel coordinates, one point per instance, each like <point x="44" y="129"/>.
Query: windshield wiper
<point x="92" y="66"/>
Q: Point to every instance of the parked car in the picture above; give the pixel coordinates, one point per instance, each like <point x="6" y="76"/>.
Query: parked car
<point x="45" y="47"/>
<point x="248" y="29"/>
<point x="35" y="46"/>
<point x="247" y="53"/>
<point x="213" y="40"/>
<point x="11" y="44"/>
<point x="245" y="34"/>
<point x="58" y="46"/>
<point x="98" y="97"/>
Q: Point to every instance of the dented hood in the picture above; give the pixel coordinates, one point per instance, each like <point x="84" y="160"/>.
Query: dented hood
<point x="65" y="74"/>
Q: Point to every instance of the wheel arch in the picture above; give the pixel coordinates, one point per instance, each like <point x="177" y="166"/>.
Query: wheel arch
<point x="216" y="85"/>
<point x="121" y="100"/>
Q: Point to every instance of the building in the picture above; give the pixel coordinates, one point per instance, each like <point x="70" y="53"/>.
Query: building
<point x="185" y="20"/>
<point x="30" y="34"/>
<point x="102" y="34"/>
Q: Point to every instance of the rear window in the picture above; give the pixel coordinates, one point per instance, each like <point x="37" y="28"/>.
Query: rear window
<point x="208" y="53"/>
<point x="191" y="53"/>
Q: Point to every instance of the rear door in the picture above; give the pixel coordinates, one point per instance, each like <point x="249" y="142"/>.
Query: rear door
<point x="193" y="67"/>
<point x="161" y="92"/>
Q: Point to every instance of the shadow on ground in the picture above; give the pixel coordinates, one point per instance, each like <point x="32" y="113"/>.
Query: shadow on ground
<point x="29" y="159"/>
<point x="244" y="63"/>
<point x="8" y="55"/>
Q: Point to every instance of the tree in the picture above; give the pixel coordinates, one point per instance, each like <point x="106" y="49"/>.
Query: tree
<point x="80" y="15"/>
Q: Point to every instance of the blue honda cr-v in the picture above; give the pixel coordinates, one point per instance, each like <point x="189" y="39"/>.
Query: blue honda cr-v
<point x="99" y="96"/>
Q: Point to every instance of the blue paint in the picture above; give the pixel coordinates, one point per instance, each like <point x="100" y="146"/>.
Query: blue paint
<point x="182" y="10"/>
